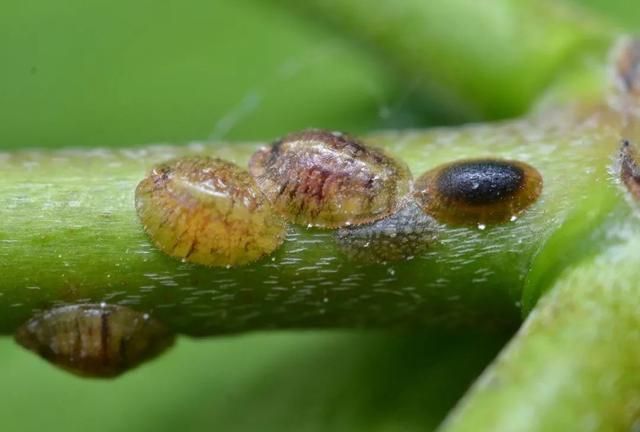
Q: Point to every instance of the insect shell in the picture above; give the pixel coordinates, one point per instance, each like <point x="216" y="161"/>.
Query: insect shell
<point x="329" y="179"/>
<point x="207" y="211"/>
<point x="630" y="169"/>
<point x="478" y="191"/>
<point x="95" y="340"/>
<point x="403" y="235"/>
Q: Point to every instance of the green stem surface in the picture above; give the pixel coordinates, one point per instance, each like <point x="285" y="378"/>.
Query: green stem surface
<point x="70" y="233"/>
<point x="575" y="364"/>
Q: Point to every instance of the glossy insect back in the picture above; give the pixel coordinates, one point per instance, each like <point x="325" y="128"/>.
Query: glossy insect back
<point x="95" y="340"/>
<point x="401" y="236"/>
<point x="479" y="191"/>
<point x="329" y="179"/>
<point x="207" y="211"/>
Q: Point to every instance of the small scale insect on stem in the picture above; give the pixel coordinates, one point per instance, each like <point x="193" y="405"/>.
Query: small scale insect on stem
<point x="329" y="179"/>
<point x="629" y="168"/>
<point x="403" y="235"/>
<point x="481" y="191"/>
<point x="96" y="340"/>
<point x="207" y="211"/>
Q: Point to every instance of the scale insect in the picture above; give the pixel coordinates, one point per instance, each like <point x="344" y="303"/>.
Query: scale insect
<point x="207" y="211"/>
<point x="95" y="340"/>
<point x="401" y="236"/>
<point x="629" y="169"/>
<point x="479" y="191"/>
<point x="329" y="179"/>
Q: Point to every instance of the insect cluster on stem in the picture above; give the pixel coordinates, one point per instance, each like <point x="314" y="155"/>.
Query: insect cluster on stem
<point x="214" y="213"/>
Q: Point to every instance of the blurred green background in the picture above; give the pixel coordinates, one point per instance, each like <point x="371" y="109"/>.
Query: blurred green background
<point x="120" y="73"/>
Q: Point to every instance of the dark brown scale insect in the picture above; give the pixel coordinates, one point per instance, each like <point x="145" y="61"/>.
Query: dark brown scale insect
<point x="100" y="341"/>
<point x="329" y="179"/>
<point x="478" y="191"/>
<point x="401" y="236"/>
<point x="207" y="211"/>
<point x="629" y="169"/>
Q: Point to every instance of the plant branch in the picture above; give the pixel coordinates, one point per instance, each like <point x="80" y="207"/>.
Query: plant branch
<point x="70" y="234"/>
<point x="479" y="60"/>
<point x="574" y="365"/>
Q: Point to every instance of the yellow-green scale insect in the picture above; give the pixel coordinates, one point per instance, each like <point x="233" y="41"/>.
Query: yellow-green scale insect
<point x="329" y="179"/>
<point x="96" y="340"/>
<point x="481" y="191"/>
<point x="207" y="211"/>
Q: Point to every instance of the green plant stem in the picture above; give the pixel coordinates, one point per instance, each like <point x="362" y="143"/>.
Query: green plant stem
<point x="575" y="364"/>
<point x="486" y="59"/>
<point x="69" y="233"/>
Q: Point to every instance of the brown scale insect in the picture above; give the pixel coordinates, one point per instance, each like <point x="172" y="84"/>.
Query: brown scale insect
<point x="329" y="179"/>
<point x="629" y="169"/>
<point x="478" y="191"/>
<point x="401" y="236"/>
<point x="93" y="340"/>
<point x="207" y="211"/>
